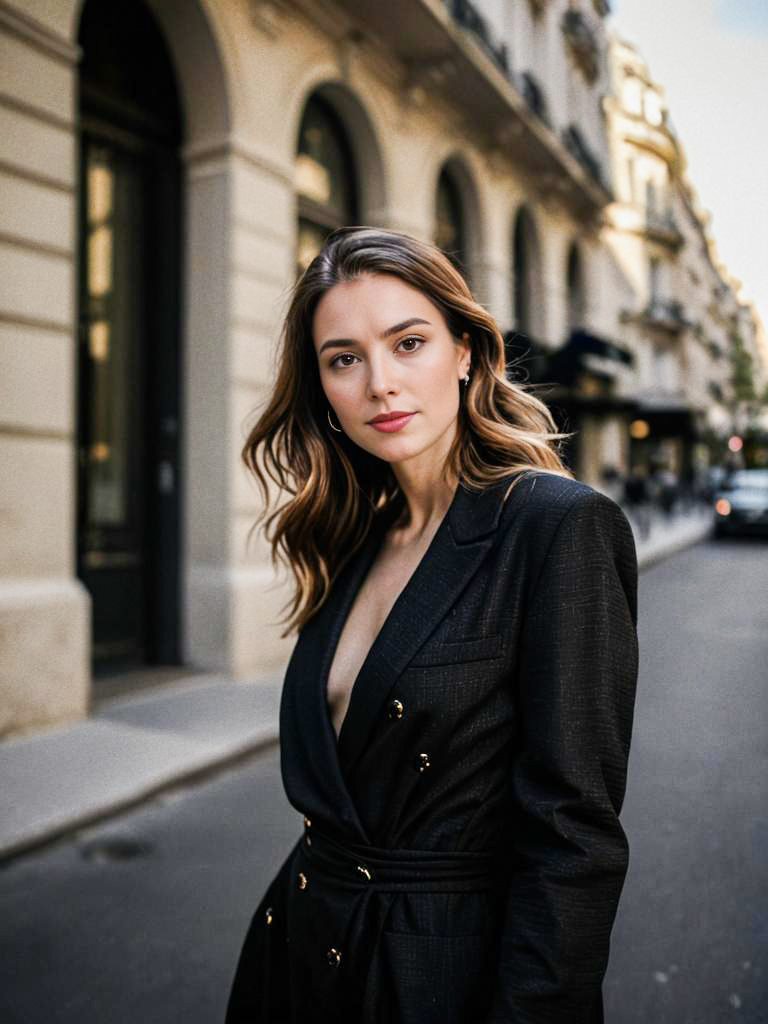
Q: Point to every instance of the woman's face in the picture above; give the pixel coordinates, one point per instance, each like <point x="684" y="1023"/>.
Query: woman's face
<point x="382" y="346"/>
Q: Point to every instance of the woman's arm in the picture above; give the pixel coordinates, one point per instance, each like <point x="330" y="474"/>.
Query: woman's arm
<point x="576" y="693"/>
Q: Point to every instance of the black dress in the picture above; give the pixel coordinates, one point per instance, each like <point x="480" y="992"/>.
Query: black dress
<point x="462" y="856"/>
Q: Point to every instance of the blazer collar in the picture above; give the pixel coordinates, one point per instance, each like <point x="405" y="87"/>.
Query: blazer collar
<point x="308" y="738"/>
<point x="473" y="514"/>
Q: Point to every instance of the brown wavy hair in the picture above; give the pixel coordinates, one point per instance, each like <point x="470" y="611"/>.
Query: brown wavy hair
<point x="337" y="489"/>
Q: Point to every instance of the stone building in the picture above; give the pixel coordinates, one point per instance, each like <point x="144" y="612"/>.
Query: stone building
<point x="167" y="167"/>
<point x="684" y="311"/>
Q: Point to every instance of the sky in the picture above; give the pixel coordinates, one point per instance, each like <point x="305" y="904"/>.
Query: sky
<point x="711" y="57"/>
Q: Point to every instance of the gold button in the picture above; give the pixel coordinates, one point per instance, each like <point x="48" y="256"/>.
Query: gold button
<point x="302" y="880"/>
<point x="364" y="871"/>
<point x="422" y="762"/>
<point x="333" y="956"/>
<point x="268" y="915"/>
<point x="307" y="822"/>
<point x="396" y="709"/>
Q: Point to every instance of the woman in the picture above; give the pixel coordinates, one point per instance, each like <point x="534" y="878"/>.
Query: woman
<point x="457" y="711"/>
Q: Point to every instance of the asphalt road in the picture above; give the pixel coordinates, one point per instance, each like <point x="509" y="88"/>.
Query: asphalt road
<point x="141" y="919"/>
<point x="691" y="937"/>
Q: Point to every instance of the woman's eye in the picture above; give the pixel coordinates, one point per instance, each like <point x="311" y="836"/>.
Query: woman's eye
<point x="404" y="340"/>
<point x="345" y="355"/>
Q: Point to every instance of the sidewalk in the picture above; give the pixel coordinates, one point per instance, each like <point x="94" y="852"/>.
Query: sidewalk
<point x="667" y="536"/>
<point x="130" y="748"/>
<point x="127" y="750"/>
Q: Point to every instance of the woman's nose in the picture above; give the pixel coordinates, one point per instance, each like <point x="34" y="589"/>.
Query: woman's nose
<point x="381" y="380"/>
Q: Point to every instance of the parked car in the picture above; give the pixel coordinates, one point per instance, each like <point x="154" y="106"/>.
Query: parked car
<point x="741" y="503"/>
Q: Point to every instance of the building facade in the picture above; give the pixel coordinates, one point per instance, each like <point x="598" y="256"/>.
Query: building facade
<point x="167" y="167"/>
<point x="685" y="320"/>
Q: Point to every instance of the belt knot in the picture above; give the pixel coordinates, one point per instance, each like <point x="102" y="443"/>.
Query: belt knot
<point x="353" y="866"/>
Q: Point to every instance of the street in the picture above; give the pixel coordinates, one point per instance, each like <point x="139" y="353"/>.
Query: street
<point x="691" y="934"/>
<point x="150" y="933"/>
<point x="140" y="919"/>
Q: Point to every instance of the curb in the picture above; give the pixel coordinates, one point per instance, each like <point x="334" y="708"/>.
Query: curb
<point x="72" y="776"/>
<point x="190" y="773"/>
<point x="669" y="546"/>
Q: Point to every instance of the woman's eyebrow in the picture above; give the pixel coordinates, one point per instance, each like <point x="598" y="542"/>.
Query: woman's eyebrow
<point x="343" y="342"/>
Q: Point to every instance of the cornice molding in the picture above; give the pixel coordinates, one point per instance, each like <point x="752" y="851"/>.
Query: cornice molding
<point x="35" y="34"/>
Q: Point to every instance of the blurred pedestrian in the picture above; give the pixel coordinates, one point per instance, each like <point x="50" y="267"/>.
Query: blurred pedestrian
<point x="668" y="486"/>
<point x="611" y="482"/>
<point x="637" y="498"/>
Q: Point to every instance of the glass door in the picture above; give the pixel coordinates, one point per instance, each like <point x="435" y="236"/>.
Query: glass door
<point x="112" y="372"/>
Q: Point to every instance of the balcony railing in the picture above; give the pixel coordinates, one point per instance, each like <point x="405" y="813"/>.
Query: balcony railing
<point x="578" y="147"/>
<point x="533" y="94"/>
<point x="661" y="220"/>
<point x="582" y="42"/>
<point x="518" y="122"/>
<point x="470" y="18"/>
<point x="662" y="224"/>
<point x="666" y="313"/>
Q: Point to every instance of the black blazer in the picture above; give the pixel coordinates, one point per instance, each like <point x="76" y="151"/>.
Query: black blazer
<point x="462" y="857"/>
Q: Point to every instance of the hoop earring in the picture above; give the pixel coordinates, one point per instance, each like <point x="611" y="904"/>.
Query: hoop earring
<point x="337" y="429"/>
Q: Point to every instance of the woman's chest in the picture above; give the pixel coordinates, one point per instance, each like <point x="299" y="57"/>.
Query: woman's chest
<point x="370" y="609"/>
<point x="433" y="691"/>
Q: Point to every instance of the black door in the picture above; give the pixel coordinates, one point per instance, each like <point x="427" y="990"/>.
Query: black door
<point x="128" y="354"/>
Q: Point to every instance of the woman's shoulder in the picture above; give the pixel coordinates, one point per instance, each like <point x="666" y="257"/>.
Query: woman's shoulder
<point x="541" y="491"/>
<point x="542" y="500"/>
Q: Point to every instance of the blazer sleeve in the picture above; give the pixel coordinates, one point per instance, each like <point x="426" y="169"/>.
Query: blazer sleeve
<point x="575" y="698"/>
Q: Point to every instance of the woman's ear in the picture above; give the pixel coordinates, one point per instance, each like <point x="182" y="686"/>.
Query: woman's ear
<point x="465" y="337"/>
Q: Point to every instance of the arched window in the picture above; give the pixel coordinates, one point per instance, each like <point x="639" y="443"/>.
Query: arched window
<point x="654" y="279"/>
<point x="575" y="283"/>
<point x="524" y="257"/>
<point x="632" y="94"/>
<point x="325" y="179"/>
<point x="450" y="225"/>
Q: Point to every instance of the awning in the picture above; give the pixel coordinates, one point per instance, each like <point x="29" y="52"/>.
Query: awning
<point x="661" y="402"/>
<point x="581" y="342"/>
<point x="667" y="414"/>
<point x="562" y="365"/>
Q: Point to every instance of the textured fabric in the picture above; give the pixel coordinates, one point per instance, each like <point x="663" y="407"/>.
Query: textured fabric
<point x="512" y="652"/>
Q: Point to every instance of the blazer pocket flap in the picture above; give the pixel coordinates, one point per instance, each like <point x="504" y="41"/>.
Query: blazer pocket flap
<point x="458" y="650"/>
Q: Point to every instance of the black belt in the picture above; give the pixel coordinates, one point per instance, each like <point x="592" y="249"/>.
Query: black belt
<point x="351" y="866"/>
<point x="345" y="916"/>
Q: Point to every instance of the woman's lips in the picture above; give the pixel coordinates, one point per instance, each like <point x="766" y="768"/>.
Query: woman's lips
<point x="389" y="426"/>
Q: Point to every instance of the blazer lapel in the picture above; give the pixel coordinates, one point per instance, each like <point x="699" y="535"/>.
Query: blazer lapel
<point x="309" y="754"/>
<point x="314" y="766"/>
<point x="454" y="555"/>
